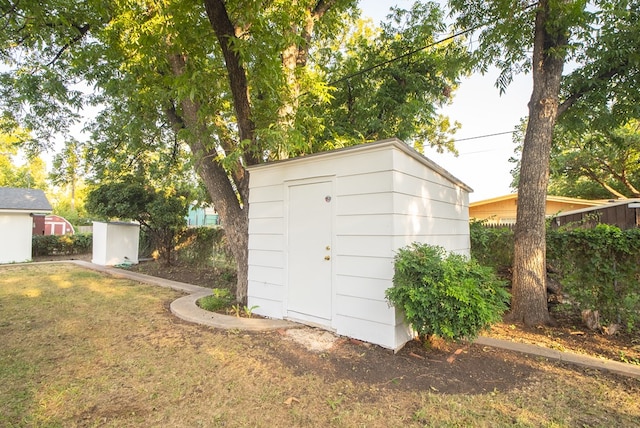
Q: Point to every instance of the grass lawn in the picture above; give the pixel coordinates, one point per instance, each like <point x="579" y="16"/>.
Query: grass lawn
<point x="79" y="348"/>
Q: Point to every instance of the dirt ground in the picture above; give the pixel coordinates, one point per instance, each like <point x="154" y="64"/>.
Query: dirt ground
<point x="570" y="333"/>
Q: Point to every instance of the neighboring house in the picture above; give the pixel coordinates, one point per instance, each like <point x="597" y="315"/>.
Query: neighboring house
<point x="623" y="213"/>
<point x="56" y="225"/>
<point x="206" y="216"/>
<point x="502" y="209"/>
<point x="324" y="230"/>
<point x="17" y="207"/>
<point x="51" y="225"/>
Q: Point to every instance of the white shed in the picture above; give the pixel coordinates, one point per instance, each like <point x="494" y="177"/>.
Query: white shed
<point x="17" y="207"/>
<point x="324" y="229"/>
<point x="115" y="243"/>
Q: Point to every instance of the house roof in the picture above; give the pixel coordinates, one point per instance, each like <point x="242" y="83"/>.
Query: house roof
<point x="550" y="198"/>
<point x="29" y="200"/>
<point x="632" y="203"/>
<point x="376" y="145"/>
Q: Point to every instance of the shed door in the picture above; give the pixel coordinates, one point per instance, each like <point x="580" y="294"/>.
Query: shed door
<point x="309" y="244"/>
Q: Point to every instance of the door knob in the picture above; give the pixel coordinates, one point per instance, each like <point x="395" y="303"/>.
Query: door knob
<point x="328" y="248"/>
<point x="327" y="257"/>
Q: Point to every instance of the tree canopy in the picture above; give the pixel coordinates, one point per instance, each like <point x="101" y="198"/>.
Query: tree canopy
<point x="236" y="82"/>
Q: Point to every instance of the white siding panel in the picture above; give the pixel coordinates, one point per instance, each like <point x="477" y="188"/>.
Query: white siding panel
<point x="369" y="288"/>
<point x="368" y="331"/>
<point x="266" y="258"/>
<point x="370" y="246"/>
<point x="267" y="291"/>
<point x="266" y="209"/>
<point x="266" y="275"/>
<point x="266" y="242"/>
<point x="365" y="309"/>
<point x="266" y="193"/>
<point x="272" y="226"/>
<point x="430" y="187"/>
<point x="418" y="225"/>
<point x="407" y="204"/>
<point x="456" y="243"/>
<point x="365" y="267"/>
<point x="374" y="225"/>
<point x="266" y="307"/>
<point x="411" y="166"/>
<point x="366" y="204"/>
<point x="374" y="182"/>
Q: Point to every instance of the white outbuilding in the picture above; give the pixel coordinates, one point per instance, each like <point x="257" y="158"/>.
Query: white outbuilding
<point x="17" y="207"/>
<point x="115" y="243"/>
<point x="324" y="230"/>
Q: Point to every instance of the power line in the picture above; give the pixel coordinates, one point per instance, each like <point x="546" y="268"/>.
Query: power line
<point x="483" y="136"/>
<point x="420" y="49"/>
<point x="407" y="54"/>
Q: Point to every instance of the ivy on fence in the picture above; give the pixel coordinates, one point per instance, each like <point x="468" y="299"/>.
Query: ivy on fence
<point x="600" y="269"/>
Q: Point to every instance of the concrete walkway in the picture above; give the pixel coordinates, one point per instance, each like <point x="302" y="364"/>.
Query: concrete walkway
<point x="186" y="309"/>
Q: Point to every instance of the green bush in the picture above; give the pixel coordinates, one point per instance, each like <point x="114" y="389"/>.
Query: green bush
<point x="220" y="299"/>
<point x="49" y="245"/>
<point x="449" y="296"/>
<point x="600" y="269"/>
<point x="492" y="246"/>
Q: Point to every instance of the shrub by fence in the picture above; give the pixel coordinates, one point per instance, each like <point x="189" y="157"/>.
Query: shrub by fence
<point x="49" y="245"/>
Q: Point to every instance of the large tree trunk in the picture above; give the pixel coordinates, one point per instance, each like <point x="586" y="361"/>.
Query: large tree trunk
<point x="217" y="181"/>
<point x="529" y="293"/>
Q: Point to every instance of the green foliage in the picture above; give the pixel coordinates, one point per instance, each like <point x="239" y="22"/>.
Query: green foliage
<point x="49" y="245"/>
<point x="491" y="246"/>
<point x="596" y="164"/>
<point x="449" y="296"/>
<point x="202" y="245"/>
<point x="160" y="212"/>
<point x="600" y="269"/>
<point x="219" y="300"/>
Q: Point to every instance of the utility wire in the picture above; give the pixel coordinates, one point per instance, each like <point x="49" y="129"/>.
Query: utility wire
<point x="483" y="136"/>
<point x="407" y="54"/>
<point x="420" y="49"/>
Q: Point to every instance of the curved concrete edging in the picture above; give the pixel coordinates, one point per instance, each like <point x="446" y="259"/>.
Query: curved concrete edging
<point x="186" y="308"/>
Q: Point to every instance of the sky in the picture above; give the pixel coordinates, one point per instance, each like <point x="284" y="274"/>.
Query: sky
<point x="482" y="163"/>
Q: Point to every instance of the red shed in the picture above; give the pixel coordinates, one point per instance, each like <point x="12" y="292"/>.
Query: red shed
<point x="56" y="225"/>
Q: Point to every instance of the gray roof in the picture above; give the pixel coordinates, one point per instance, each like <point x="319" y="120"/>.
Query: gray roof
<point x="31" y="200"/>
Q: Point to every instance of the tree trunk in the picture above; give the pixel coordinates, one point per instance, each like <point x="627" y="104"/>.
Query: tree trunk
<point x="529" y="292"/>
<point x="233" y="214"/>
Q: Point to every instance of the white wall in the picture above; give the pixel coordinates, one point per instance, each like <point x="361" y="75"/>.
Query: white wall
<point x="115" y="243"/>
<point x="16" y="231"/>
<point x="385" y="198"/>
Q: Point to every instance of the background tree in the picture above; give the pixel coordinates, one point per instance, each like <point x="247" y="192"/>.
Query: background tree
<point x="68" y="166"/>
<point x="238" y="83"/>
<point x="19" y="167"/>
<point x="602" y="40"/>
<point x="161" y="213"/>
<point x="598" y="165"/>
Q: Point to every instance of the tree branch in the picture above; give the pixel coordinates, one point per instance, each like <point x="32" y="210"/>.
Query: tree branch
<point x="225" y="32"/>
<point x="83" y="30"/>
<point x="585" y="88"/>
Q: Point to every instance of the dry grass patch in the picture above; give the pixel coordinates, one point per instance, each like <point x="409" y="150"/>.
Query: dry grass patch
<point x="83" y="349"/>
